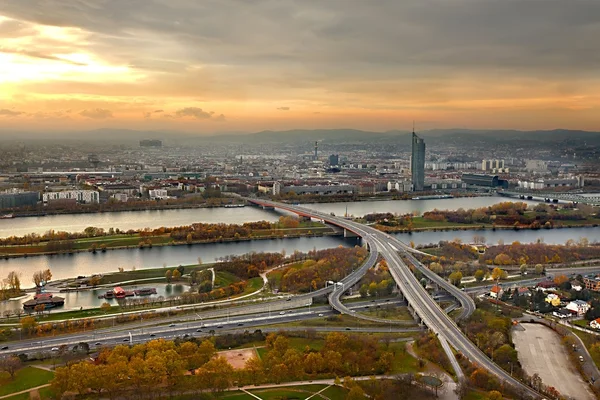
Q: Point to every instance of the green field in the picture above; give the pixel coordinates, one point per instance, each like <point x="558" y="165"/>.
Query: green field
<point x="289" y="392"/>
<point x="399" y="313"/>
<point x="26" y="378"/>
<point x="45" y="393"/>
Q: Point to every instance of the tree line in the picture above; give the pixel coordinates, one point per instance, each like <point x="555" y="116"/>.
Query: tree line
<point x="164" y="368"/>
<point x="324" y="265"/>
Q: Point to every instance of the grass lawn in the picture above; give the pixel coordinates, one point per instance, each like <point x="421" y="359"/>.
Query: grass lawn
<point x="224" y="278"/>
<point x="335" y="393"/>
<point x="254" y="284"/>
<point x="588" y="340"/>
<point x="475" y="395"/>
<point x="420" y="222"/>
<point x="403" y="361"/>
<point x="45" y="393"/>
<point x="389" y="312"/>
<point x="25" y="378"/>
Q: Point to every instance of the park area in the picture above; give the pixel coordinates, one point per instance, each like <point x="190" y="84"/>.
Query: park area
<point x="25" y="379"/>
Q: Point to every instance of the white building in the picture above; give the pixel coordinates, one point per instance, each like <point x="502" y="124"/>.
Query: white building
<point x="120" y="197"/>
<point x="81" y="196"/>
<point x="578" y="307"/>
<point x="536" y="166"/>
<point x="158" y="194"/>
<point x="276" y="188"/>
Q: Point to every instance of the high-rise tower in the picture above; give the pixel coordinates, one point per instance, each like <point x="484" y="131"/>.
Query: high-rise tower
<point x="417" y="162"/>
<point x="316" y="156"/>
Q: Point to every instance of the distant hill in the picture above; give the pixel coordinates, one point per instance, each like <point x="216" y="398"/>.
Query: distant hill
<point x="303" y="136"/>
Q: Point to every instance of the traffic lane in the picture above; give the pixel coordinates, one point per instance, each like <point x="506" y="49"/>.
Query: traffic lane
<point x="83" y="337"/>
<point x="138" y="337"/>
<point x="185" y="327"/>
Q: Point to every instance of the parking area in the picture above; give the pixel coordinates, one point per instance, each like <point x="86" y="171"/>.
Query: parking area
<point x="541" y="351"/>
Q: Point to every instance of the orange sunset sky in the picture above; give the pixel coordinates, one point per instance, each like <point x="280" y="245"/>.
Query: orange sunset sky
<point x="232" y="65"/>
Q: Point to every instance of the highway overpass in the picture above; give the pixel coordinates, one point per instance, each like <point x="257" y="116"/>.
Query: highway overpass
<point x="423" y="304"/>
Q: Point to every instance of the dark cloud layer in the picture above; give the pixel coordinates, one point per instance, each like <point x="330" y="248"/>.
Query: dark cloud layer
<point x="386" y="38"/>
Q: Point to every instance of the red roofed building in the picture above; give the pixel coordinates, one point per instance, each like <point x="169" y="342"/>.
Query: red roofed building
<point x="496" y="292"/>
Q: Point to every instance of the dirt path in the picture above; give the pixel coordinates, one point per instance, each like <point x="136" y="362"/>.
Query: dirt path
<point x="446" y="392"/>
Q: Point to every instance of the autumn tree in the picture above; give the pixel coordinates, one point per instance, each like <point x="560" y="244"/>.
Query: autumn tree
<point x="523" y="268"/>
<point x="10" y="365"/>
<point x="560" y="279"/>
<point x="168" y="275"/>
<point x="498" y="273"/>
<point x="40" y="278"/>
<point x="456" y="278"/>
<point x="479" y="275"/>
<point x="14" y="281"/>
<point x="436" y="267"/>
<point x="176" y="275"/>
<point x="539" y="269"/>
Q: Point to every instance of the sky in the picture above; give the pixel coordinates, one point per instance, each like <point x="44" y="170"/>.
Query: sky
<point x="206" y="66"/>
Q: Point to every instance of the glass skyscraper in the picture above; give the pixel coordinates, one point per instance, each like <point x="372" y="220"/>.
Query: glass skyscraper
<point x="417" y="162"/>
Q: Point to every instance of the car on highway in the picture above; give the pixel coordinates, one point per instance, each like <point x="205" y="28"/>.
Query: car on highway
<point x="55" y="349"/>
<point x="220" y="326"/>
<point x="4" y="348"/>
<point x="126" y="340"/>
<point x="152" y="335"/>
<point x="240" y="324"/>
<point x="171" y="325"/>
<point x="281" y="313"/>
<point x="347" y="329"/>
<point x="98" y="344"/>
<point x="198" y="330"/>
<point x="320" y="315"/>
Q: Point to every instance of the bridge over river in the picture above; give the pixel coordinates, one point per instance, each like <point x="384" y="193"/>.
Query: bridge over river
<point x="398" y="255"/>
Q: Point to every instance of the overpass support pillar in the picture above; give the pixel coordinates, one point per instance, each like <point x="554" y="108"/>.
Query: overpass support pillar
<point x="304" y="219"/>
<point x="349" y="234"/>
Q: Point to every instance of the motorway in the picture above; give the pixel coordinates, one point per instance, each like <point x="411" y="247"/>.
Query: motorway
<point x="424" y="305"/>
<point x="198" y="327"/>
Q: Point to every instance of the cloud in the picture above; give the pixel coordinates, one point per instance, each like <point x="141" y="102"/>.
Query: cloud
<point x="97" y="113"/>
<point x="9" y="113"/>
<point x="283" y="108"/>
<point x="197" y="113"/>
<point x="38" y="54"/>
<point x="150" y="113"/>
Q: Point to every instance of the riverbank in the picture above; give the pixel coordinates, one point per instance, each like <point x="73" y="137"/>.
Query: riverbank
<point x="221" y="202"/>
<point x="141" y="240"/>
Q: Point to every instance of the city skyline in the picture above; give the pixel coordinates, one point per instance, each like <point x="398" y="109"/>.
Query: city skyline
<point x="208" y="67"/>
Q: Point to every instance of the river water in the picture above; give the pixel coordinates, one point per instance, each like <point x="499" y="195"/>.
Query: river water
<point x="158" y="218"/>
<point x="68" y="266"/>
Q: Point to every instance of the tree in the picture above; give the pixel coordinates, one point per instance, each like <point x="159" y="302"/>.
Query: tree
<point x="40" y="278"/>
<point x="502" y="259"/>
<point x="356" y="393"/>
<point x="10" y="364"/>
<point x="539" y="269"/>
<point x="176" y="275"/>
<point x="105" y="307"/>
<point x="168" y="275"/>
<point x="181" y="270"/>
<point x="14" y="281"/>
<point x="479" y="275"/>
<point x="523" y="268"/>
<point x="560" y="279"/>
<point x="436" y="267"/>
<point x="456" y="278"/>
<point x="28" y="323"/>
<point x="497" y="273"/>
<point x="495" y="395"/>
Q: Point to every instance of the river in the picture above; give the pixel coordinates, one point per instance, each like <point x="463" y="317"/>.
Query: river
<point x="157" y="218"/>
